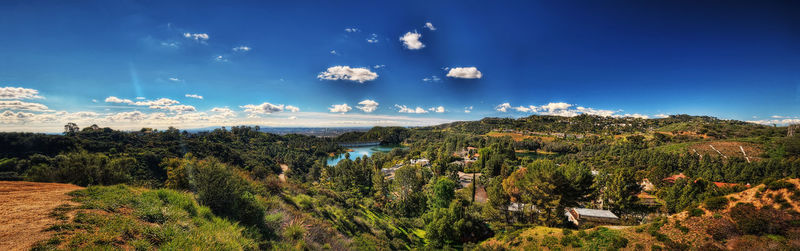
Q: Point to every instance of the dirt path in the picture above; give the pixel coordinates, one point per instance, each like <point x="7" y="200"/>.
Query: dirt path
<point x="284" y="169"/>
<point x="25" y="209"/>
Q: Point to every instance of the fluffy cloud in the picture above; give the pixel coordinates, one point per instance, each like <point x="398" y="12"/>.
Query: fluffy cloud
<point x="223" y="112"/>
<point x="468" y="109"/>
<point x="405" y="109"/>
<point x="264" y="108"/>
<point x="18" y="93"/>
<point x="779" y="121"/>
<point x="372" y="38"/>
<point x="175" y="79"/>
<point x="439" y="109"/>
<point x="194" y="96"/>
<point x="339" y="72"/>
<point x="220" y="58"/>
<point x="157" y="102"/>
<point x="503" y="107"/>
<point x="242" y="48"/>
<point x="196" y="36"/>
<point x="411" y="40"/>
<point x="291" y="108"/>
<point x="429" y="25"/>
<point x="368" y="105"/>
<point x="353" y="29"/>
<point x="662" y="116"/>
<point x="464" y="72"/>
<point x="174" y="108"/>
<point x="378" y="66"/>
<point x="22" y="106"/>
<point x="343" y="108"/>
<point x="565" y="110"/>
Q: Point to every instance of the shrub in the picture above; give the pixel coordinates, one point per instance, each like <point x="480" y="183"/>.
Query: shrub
<point x="780" y="184"/>
<point x="716" y="203"/>
<point x="751" y="220"/>
<point x="694" y="212"/>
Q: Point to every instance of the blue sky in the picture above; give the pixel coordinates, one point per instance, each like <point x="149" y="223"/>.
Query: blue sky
<point x="273" y="63"/>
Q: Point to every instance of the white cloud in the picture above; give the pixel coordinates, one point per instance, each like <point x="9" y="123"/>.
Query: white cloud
<point x="429" y="25"/>
<point x="291" y="108"/>
<point x="405" y="109"/>
<point x="378" y="66"/>
<point x="175" y="79"/>
<point x="566" y="110"/>
<point x="372" y="38"/>
<point x="194" y="96"/>
<point x="439" y="109"/>
<point x="157" y="102"/>
<point x="661" y="116"/>
<point x="242" y="48"/>
<point x="223" y="112"/>
<point x="777" y="117"/>
<point x="19" y="93"/>
<point x="433" y="78"/>
<point x="22" y="106"/>
<point x="503" y="107"/>
<point x="339" y="72"/>
<point x="343" y="108"/>
<point x="174" y="108"/>
<point x="292" y="117"/>
<point x="196" y="36"/>
<point x="368" y="105"/>
<point x="468" y="109"/>
<point x="780" y="121"/>
<point x="140" y="98"/>
<point x="220" y="58"/>
<point x="352" y="29"/>
<point x="112" y="99"/>
<point x="411" y="40"/>
<point x="94" y="100"/>
<point x="464" y="72"/>
<point x="264" y="108"/>
<point x="333" y="52"/>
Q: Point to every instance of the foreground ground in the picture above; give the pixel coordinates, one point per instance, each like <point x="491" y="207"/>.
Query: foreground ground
<point x="25" y="209"/>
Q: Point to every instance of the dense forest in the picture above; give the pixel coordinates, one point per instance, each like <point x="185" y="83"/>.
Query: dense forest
<point x="520" y="174"/>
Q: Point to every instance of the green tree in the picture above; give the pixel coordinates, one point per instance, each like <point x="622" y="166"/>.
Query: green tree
<point x="621" y="190"/>
<point x="442" y="193"/>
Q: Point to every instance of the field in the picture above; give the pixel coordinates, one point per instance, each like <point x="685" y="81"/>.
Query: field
<point x="728" y="149"/>
<point x="25" y="211"/>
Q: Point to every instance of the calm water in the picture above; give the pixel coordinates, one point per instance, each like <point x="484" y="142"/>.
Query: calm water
<point x="361" y="151"/>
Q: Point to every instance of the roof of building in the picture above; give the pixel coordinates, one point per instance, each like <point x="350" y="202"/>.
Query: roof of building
<point x="595" y="213"/>
<point x="673" y="178"/>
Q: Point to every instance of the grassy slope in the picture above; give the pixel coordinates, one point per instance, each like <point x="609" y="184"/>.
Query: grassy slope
<point x="130" y="218"/>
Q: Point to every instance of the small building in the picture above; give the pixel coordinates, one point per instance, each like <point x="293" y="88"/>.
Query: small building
<point x="647" y="185"/>
<point x="673" y="178"/>
<point x="421" y="162"/>
<point x="389" y="172"/>
<point x="466" y="178"/>
<point x="584" y="216"/>
<point x="647" y="199"/>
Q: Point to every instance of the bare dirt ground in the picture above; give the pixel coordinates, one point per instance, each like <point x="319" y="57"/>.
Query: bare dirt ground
<point x="284" y="169"/>
<point x="25" y="209"/>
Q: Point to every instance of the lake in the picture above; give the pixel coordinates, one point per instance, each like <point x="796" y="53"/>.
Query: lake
<point x="361" y="151"/>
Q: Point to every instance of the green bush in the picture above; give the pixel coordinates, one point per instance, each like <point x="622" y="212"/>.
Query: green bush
<point x="694" y="212"/>
<point x="716" y="203"/>
<point x="780" y="184"/>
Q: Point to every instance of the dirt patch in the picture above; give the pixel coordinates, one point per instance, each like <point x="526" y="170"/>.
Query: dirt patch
<point x="284" y="169"/>
<point x="728" y="149"/>
<point x="25" y="209"/>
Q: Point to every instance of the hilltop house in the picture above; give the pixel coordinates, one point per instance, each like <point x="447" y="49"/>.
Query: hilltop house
<point x="421" y="162"/>
<point x="583" y="216"/>
<point x="647" y="199"/>
<point x="673" y="178"/>
<point x="647" y="185"/>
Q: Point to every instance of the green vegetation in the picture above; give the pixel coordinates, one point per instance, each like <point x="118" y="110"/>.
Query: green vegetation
<point x="144" y="219"/>
<point x="526" y="171"/>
